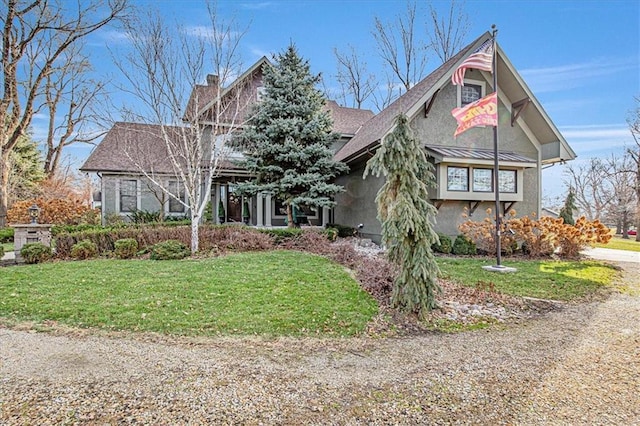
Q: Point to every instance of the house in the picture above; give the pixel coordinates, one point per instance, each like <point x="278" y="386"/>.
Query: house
<point x="528" y="140"/>
<point x="129" y="148"/>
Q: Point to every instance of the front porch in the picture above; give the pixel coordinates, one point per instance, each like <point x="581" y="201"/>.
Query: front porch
<point x="264" y="211"/>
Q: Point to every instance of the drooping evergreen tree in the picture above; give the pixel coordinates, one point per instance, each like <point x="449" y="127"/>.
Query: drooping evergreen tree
<point x="407" y="217"/>
<point x="287" y="140"/>
<point x="566" y="212"/>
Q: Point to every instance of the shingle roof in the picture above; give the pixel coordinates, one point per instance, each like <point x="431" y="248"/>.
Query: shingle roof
<point x="378" y="126"/>
<point x="347" y="121"/>
<point x="128" y="143"/>
<point x="445" y="152"/>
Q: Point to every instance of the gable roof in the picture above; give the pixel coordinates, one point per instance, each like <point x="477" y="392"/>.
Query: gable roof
<point x="511" y="86"/>
<point x="144" y="143"/>
<point x="347" y="121"/>
<point x="204" y="97"/>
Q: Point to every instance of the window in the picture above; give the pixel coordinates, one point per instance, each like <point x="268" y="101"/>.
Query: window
<point x="261" y="91"/>
<point x="457" y="179"/>
<point x="470" y="93"/>
<point x="177" y="189"/>
<point x="482" y="180"/>
<point x="128" y="195"/>
<point x="507" y="181"/>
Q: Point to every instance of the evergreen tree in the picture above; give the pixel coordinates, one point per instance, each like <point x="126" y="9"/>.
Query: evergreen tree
<point x="566" y="212"/>
<point x="25" y="170"/>
<point x="407" y="217"/>
<point x="287" y="140"/>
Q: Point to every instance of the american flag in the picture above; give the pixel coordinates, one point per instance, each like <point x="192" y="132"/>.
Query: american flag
<point x="481" y="59"/>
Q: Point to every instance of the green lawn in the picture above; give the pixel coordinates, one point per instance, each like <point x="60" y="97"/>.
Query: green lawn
<point x="555" y="280"/>
<point x="271" y="293"/>
<point x="265" y="293"/>
<point x="7" y="246"/>
<point x="619" y="244"/>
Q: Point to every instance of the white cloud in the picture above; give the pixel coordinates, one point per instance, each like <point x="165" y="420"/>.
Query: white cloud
<point x="598" y="139"/>
<point x="569" y="76"/>
<point x="256" y="5"/>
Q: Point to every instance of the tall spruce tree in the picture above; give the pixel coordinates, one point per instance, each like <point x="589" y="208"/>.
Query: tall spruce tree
<point x="566" y="212"/>
<point x="287" y="140"/>
<point x="407" y="217"/>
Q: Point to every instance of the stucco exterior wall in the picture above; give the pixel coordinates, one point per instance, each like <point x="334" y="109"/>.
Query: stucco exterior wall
<point x="357" y="205"/>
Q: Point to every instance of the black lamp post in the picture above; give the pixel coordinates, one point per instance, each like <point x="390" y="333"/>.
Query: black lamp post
<point x="34" y="212"/>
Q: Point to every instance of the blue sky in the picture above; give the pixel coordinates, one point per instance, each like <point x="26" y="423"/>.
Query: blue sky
<point x="580" y="58"/>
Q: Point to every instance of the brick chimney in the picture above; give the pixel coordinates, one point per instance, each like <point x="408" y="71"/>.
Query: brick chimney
<point x="212" y="80"/>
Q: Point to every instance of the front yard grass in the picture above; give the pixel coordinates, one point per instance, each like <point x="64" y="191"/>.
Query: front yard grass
<point x="266" y="293"/>
<point x="619" y="244"/>
<point x="542" y="279"/>
<point x="270" y="293"/>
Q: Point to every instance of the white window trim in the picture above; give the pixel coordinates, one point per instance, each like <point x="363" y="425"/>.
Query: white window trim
<point x="166" y="203"/>
<point x="138" y="198"/>
<point x="277" y="215"/>
<point x="483" y="90"/>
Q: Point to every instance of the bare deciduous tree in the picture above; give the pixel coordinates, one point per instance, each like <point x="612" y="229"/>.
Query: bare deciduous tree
<point x="400" y="48"/>
<point x="448" y="34"/>
<point x="70" y="98"/>
<point x="162" y="68"/>
<point x="35" y="36"/>
<point x="355" y="80"/>
<point x="634" y="153"/>
<point x="593" y="190"/>
<point x="621" y="178"/>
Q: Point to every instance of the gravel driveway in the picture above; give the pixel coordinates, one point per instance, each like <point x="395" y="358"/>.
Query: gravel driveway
<point x="579" y="364"/>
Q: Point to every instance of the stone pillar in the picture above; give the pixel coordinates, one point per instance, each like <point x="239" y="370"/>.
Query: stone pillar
<point x="260" y="207"/>
<point x="267" y="203"/>
<point x="30" y="233"/>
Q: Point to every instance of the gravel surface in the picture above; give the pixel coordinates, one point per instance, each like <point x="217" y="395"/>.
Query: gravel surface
<point x="576" y="365"/>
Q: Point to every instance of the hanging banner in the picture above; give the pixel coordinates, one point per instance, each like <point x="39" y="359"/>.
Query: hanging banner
<point x="483" y="112"/>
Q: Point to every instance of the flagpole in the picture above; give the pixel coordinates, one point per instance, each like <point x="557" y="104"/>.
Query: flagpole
<point x="496" y="170"/>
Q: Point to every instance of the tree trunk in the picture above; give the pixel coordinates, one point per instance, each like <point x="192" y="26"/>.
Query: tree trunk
<point x="195" y="233"/>
<point x="4" y="185"/>
<point x="290" y="223"/>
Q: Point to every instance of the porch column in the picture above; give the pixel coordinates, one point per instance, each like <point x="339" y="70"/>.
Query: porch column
<point x="216" y="203"/>
<point x="260" y="207"/>
<point x="267" y="221"/>
<point x="325" y="216"/>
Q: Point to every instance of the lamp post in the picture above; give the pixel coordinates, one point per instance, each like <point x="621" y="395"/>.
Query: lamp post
<point x="34" y="212"/>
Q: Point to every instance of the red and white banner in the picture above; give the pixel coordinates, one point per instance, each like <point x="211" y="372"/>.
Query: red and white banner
<point x="483" y="112"/>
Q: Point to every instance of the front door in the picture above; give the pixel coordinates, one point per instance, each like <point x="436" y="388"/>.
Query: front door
<point x="234" y="206"/>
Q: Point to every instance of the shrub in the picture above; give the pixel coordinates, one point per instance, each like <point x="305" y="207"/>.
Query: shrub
<point x="538" y="238"/>
<point x="1" y="252"/>
<point x="463" y="246"/>
<point x="125" y="248"/>
<point x="35" y="253"/>
<point x="444" y="246"/>
<point x="112" y="219"/>
<point x="105" y="238"/>
<point x="282" y="235"/>
<point x="56" y="211"/>
<point x="144" y="216"/>
<point x="6" y="235"/>
<point x="84" y="250"/>
<point x="168" y="250"/>
<point x="343" y="230"/>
